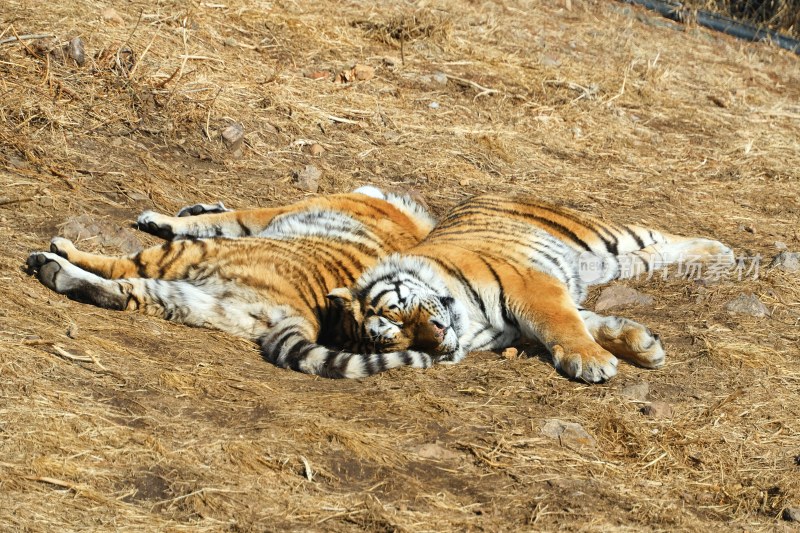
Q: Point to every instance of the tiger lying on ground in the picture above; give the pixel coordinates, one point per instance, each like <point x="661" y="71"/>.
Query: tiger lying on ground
<point x="264" y="276"/>
<point x="496" y="269"/>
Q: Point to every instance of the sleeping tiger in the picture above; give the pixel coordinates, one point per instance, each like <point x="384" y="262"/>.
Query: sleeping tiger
<point x="497" y="269"/>
<point x="264" y="274"/>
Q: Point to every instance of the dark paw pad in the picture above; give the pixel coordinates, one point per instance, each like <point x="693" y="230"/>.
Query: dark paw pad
<point x="202" y="209"/>
<point x="45" y="268"/>
<point x="159" y="230"/>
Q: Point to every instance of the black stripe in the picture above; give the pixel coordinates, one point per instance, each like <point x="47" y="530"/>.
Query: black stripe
<point x="456" y="273"/>
<point x="508" y="317"/>
<point x="639" y="241"/>
<point x="244" y="229"/>
<point x="551" y="224"/>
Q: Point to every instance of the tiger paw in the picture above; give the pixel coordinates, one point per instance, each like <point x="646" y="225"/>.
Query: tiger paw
<point x="202" y="209"/>
<point x="631" y="341"/>
<point x="63" y="247"/>
<point x="156" y="224"/>
<point x="592" y="364"/>
<point x="55" y="272"/>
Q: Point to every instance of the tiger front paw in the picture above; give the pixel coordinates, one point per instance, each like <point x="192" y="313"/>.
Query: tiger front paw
<point x="63" y="247"/>
<point x="156" y="224"/>
<point x="592" y="364"/>
<point x="202" y="209"/>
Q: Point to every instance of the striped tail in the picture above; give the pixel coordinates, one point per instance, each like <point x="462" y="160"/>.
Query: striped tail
<point x="288" y="346"/>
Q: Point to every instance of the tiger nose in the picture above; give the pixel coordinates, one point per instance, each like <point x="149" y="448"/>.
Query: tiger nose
<point x="439" y="329"/>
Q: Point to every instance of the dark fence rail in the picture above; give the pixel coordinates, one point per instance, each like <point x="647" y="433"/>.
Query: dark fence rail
<point x="715" y="21"/>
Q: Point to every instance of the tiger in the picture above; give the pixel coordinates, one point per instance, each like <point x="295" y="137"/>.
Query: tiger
<point x="496" y="270"/>
<point x="263" y="274"/>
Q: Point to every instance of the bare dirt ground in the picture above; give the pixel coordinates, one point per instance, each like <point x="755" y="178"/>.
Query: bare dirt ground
<point x="114" y="421"/>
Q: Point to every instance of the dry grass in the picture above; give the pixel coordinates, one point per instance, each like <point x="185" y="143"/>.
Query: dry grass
<point x="145" y="425"/>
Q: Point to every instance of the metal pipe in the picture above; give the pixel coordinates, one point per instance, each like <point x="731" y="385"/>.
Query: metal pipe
<point x="740" y="30"/>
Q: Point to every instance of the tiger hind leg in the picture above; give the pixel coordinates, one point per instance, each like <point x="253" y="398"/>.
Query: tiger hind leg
<point x="209" y="302"/>
<point x="160" y="262"/>
<point x="674" y="250"/>
<point x="625" y="338"/>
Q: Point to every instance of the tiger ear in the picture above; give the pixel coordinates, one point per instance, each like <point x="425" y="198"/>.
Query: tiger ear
<point x="343" y="297"/>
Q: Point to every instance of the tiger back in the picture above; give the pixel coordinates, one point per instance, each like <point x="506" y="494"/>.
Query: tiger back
<point x="263" y="274"/>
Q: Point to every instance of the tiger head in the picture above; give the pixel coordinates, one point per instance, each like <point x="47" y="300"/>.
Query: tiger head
<point x="402" y="304"/>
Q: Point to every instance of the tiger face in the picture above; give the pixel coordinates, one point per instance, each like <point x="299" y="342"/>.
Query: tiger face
<point x="393" y="315"/>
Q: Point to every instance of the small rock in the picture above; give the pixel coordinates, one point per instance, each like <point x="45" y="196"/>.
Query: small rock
<point x="748" y="228"/>
<point x="786" y="260"/>
<point x="620" y="296"/>
<point x="391" y="62"/>
<point x="636" y="391"/>
<point x="233" y="133"/>
<point x="780" y="245"/>
<point x="791" y="514"/>
<point x="315" y="149"/>
<point x="436" y="452"/>
<point x="363" y="72"/>
<point x="434" y="105"/>
<point x="102" y="232"/>
<point x="16" y="162"/>
<point x="747" y="304"/>
<point x="233" y="136"/>
<point x="440" y="78"/>
<point x="308" y="178"/>
<point x="75" y="50"/>
<point x="73" y="331"/>
<point x="569" y="434"/>
<point x="357" y="73"/>
<point x="718" y="101"/>
<point x="510" y="353"/>
<point x="318" y="75"/>
<point x="550" y="61"/>
<point x="464" y="182"/>
<point x="657" y="410"/>
<point x="110" y="14"/>
<point x="230" y="41"/>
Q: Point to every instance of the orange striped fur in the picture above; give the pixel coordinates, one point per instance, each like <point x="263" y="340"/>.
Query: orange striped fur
<point x="263" y="274"/>
<point x="496" y="270"/>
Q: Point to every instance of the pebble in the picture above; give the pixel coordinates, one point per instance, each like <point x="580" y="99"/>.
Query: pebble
<point x="569" y="434"/>
<point x="636" y="391"/>
<point x="434" y="105"/>
<point x="510" y="353"/>
<point x="657" y="410"/>
<point x="791" y="514"/>
<point x="316" y="150"/>
<point x="102" y="232"/>
<point x="786" y="260"/>
<point x="747" y="304"/>
<point x="110" y="15"/>
<point x="440" y="78"/>
<point x="233" y="133"/>
<point x="75" y="50"/>
<point x="621" y="296"/>
<point x="308" y="179"/>
<point x="436" y="452"/>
